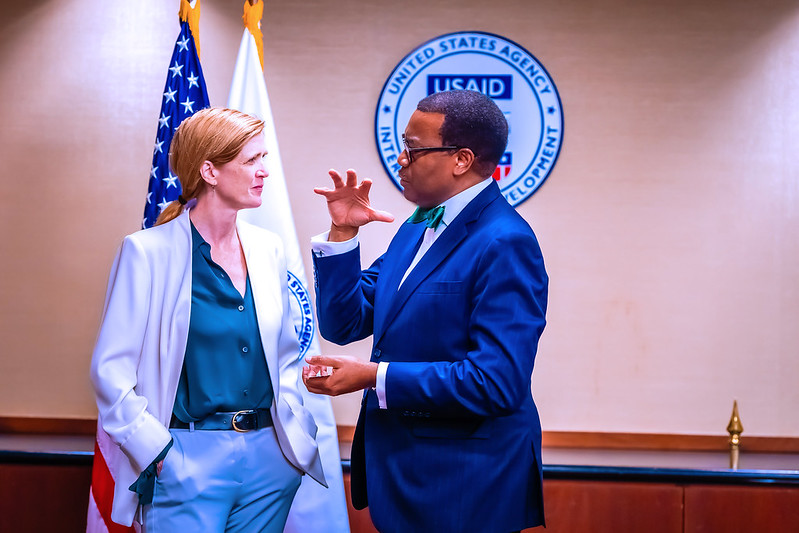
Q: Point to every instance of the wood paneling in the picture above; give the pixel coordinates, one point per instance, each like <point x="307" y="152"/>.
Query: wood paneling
<point x="39" y="498"/>
<point x="709" y="509"/>
<point x="604" y="507"/>
<point x="576" y="507"/>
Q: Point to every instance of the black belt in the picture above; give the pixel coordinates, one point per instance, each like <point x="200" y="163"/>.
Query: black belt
<point x="246" y="420"/>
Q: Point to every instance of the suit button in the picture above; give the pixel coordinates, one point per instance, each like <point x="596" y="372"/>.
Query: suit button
<point x="376" y="353"/>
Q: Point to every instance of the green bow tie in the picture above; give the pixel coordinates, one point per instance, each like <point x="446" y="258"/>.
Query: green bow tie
<point x="433" y="216"/>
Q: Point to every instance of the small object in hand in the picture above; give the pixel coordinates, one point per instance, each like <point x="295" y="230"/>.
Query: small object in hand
<point x="322" y="372"/>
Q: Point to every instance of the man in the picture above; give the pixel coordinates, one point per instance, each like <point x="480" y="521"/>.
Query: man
<point x="448" y="438"/>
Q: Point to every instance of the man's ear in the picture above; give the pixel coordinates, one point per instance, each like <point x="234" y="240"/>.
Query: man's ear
<point x="464" y="161"/>
<point x="208" y="172"/>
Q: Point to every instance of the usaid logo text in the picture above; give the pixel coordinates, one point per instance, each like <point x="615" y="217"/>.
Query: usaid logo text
<point x="496" y="67"/>
<point x="496" y="87"/>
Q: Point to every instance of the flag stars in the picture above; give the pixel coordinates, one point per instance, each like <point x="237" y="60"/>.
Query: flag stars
<point x="183" y="45"/>
<point x="176" y="69"/>
<point x="183" y="95"/>
<point x="188" y="105"/>
<point x="170" y="181"/>
<point x="169" y="95"/>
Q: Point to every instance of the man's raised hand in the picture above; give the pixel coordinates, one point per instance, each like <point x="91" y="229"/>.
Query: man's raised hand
<point x="348" y="204"/>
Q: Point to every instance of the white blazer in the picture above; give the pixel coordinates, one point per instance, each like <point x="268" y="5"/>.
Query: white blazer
<point x="138" y="358"/>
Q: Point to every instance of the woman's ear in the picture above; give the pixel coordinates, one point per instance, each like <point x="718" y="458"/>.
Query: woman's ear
<point x="208" y="172"/>
<point x="464" y="160"/>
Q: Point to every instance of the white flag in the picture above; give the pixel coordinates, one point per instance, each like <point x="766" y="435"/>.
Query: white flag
<point x="315" y="508"/>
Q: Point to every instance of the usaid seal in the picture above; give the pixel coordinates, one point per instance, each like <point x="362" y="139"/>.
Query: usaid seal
<point x="301" y="307"/>
<point x="497" y="67"/>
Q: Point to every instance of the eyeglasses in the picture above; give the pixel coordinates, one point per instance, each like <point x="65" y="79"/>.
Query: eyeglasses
<point x="411" y="150"/>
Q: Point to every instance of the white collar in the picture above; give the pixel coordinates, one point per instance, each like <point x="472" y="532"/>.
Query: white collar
<point x="454" y="205"/>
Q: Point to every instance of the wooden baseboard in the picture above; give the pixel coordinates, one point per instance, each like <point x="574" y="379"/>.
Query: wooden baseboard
<point x="47" y="426"/>
<point x="551" y="439"/>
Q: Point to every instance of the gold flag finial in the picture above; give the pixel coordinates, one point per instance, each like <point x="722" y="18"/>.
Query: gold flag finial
<point x="735" y="428"/>
<point x="253" y="11"/>
<point x="190" y="12"/>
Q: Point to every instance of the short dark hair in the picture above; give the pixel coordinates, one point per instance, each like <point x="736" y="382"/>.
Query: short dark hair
<point x="471" y="120"/>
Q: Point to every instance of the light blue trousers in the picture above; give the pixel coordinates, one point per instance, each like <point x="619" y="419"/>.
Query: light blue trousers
<point x="222" y="481"/>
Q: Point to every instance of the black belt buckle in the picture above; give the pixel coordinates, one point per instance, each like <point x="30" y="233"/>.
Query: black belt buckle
<point x="248" y="419"/>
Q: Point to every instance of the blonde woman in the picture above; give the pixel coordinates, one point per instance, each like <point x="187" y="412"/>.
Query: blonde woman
<point x="197" y="362"/>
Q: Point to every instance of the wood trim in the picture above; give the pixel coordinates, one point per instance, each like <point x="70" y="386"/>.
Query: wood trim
<point x="666" y="442"/>
<point x="47" y="426"/>
<point x="551" y="439"/>
<point x="647" y="441"/>
<point x="345" y="434"/>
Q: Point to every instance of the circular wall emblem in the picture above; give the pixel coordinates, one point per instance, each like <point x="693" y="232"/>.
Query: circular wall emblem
<point x="301" y="307"/>
<point x="497" y="67"/>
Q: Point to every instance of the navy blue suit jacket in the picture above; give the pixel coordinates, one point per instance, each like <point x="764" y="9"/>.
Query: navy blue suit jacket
<point x="459" y="447"/>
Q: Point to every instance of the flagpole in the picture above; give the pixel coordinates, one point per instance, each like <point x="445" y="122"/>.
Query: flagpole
<point x="315" y="508"/>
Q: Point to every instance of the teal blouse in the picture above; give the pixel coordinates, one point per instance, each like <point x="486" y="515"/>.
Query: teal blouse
<point x="225" y="366"/>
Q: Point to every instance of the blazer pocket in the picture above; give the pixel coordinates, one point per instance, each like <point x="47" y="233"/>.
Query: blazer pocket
<point x="442" y="428"/>
<point x="441" y="287"/>
<point x="302" y="415"/>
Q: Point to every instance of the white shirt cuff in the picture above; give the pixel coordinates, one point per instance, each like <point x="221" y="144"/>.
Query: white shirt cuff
<point x="322" y="247"/>
<point x="380" y="384"/>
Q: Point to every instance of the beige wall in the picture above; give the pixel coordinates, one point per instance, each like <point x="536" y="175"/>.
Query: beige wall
<point x="669" y="224"/>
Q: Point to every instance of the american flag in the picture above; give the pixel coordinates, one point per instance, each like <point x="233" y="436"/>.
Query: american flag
<point x="184" y="95"/>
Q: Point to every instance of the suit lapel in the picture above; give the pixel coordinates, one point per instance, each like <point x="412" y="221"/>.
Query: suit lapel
<point x="455" y="233"/>
<point x="396" y="261"/>
<point x="180" y="239"/>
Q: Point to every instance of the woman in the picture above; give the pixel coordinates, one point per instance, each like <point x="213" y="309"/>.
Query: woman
<point x="197" y="362"/>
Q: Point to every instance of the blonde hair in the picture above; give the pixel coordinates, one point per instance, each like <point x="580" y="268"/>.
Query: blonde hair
<point x="214" y="134"/>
